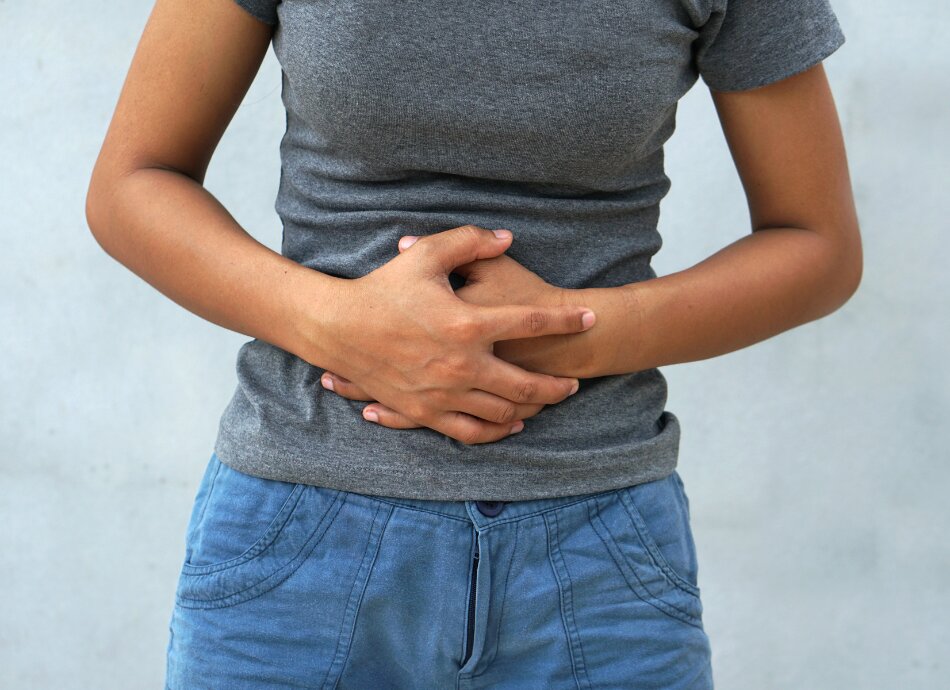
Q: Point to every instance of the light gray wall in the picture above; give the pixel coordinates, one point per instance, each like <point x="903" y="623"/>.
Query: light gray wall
<point x="816" y="462"/>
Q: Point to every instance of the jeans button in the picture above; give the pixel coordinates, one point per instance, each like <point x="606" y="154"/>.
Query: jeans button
<point x="489" y="508"/>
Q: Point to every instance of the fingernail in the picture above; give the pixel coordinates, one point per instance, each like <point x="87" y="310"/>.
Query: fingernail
<point x="370" y="415"/>
<point x="327" y="382"/>
<point x="587" y="319"/>
<point x="575" y="387"/>
<point x="517" y="426"/>
<point x="407" y="241"/>
<point x="502" y="234"/>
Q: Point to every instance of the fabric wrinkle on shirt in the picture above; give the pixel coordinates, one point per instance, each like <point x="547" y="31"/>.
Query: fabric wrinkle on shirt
<point x="546" y="118"/>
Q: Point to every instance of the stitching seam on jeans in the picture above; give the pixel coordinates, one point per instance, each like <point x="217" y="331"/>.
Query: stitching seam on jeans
<point x="641" y="591"/>
<point x="373" y="541"/>
<point x="214" y="477"/>
<point x="296" y="561"/>
<point x="501" y="611"/>
<point x="640" y="524"/>
<point x="566" y="603"/>
<point x="422" y="510"/>
<point x="264" y="542"/>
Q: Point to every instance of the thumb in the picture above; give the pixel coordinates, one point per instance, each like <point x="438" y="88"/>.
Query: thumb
<point x="473" y="270"/>
<point x="407" y="241"/>
<point x="452" y="248"/>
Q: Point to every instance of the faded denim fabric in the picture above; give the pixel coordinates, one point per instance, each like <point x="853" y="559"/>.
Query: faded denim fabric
<point x="287" y="585"/>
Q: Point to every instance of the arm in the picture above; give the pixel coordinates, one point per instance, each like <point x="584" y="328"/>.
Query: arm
<point x="802" y="261"/>
<point x="147" y="208"/>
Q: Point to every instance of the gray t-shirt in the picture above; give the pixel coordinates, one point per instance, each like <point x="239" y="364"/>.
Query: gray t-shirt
<point x="547" y="118"/>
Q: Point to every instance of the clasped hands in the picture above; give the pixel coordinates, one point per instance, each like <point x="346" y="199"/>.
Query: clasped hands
<point x="470" y="363"/>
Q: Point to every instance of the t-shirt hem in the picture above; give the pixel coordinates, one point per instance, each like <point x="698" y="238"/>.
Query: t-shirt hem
<point x="263" y="456"/>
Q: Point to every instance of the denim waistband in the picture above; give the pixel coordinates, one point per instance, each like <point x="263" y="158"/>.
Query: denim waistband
<point x="469" y="510"/>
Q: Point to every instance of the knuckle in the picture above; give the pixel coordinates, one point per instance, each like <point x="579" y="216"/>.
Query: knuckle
<point x="416" y="411"/>
<point x="440" y="397"/>
<point x="506" y="413"/>
<point x="423" y="247"/>
<point x="535" y="321"/>
<point x="348" y="390"/>
<point x="452" y="367"/>
<point x="462" y="328"/>
<point x="459" y="366"/>
<point x="469" y="231"/>
<point x="536" y="408"/>
<point x="525" y="391"/>
<point x="470" y="435"/>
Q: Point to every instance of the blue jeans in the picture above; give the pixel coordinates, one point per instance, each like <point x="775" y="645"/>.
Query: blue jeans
<point x="289" y="585"/>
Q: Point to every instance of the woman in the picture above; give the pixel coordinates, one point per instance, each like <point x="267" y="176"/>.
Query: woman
<point x="447" y="462"/>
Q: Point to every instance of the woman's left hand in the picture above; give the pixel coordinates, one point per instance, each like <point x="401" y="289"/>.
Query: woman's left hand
<point x="490" y="282"/>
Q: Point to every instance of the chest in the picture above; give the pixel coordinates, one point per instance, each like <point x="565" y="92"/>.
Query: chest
<point x="553" y="89"/>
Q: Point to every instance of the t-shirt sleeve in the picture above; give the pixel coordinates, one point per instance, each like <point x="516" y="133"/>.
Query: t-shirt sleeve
<point x="750" y="43"/>
<point x="264" y="10"/>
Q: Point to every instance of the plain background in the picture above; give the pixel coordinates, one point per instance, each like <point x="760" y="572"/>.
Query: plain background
<point x="816" y="462"/>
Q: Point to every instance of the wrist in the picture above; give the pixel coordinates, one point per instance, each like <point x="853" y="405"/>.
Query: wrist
<point x="616" y="342"/>
<point x="632" y="358"/>
<point x="579" y="353"/>
<point x="320" y="305"/>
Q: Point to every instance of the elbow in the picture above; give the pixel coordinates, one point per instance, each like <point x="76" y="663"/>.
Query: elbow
<point x="856" y="273"/>
<point x="853" y="262"/>
<point x="96" y="195"/>
<point x="93" y="215"/>
<point x="100" y="194"/>
<point x="849" y="266"/>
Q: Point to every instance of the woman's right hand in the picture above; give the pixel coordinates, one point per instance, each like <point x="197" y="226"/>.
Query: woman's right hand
<point x="403" y="336"/>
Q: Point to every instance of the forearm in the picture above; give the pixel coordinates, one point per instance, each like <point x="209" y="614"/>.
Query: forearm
<point x="174" y="234"/>
<point x="763" y="284"/>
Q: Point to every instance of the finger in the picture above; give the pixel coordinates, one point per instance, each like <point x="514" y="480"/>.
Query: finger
<point x="511" y="382"/>
<point x="343" y="387"/>
<point x="464" y="270"/>
<point x="511" y="321"/>
<point x="451" y="248"/>
<point x="471" y="269"/>
<point x="407" y="241"/>
<point x="474" y="268"/>
<point x="471" y="430"/>
<point x="494" y="408"/>
<point x="388" y="417"/>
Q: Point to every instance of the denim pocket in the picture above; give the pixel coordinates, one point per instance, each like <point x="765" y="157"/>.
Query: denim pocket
<point x="248" y="534"/>
<point x="659" y="512"/>
<point x="647" y="529"/>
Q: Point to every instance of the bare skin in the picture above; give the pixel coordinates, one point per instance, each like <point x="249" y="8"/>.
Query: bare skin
<point x="146" y="206"/>
<point x="425" y="352"/>
<point x="801" y="261"/>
